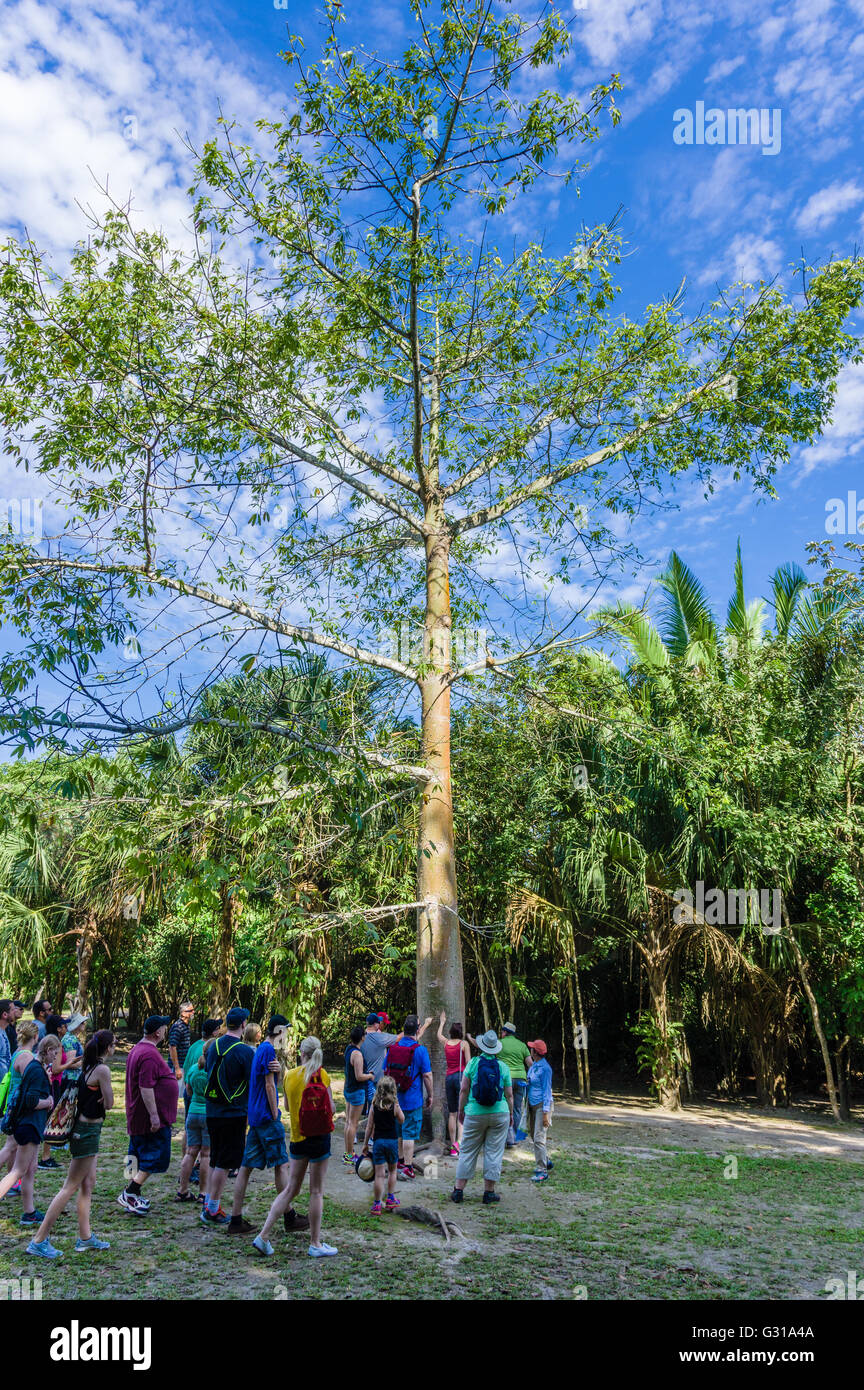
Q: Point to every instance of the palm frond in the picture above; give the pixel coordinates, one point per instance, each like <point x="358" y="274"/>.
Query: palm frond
<point x="686" y="613"/>
<point x="788" y="582"/>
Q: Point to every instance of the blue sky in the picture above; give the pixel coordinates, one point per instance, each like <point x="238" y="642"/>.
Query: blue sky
<point x="100" y="91"/>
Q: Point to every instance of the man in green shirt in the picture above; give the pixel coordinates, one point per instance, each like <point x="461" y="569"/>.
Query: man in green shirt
<point x="517" y="1058"/>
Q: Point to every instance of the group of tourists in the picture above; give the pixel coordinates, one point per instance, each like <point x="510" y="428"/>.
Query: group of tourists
<point x="230" y="1080"/>
<point x="485" y="1094"/>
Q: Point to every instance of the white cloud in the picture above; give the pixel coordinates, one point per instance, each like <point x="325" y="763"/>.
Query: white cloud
<point x="748" y="257"/>
<point x="826" y="205"/>
<point x="609" y="28"/>
<point x="842" y="437"/>
<point x="92" y="97"/>
<point x="724" y="67"/>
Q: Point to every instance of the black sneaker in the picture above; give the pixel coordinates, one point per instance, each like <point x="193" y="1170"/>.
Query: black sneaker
<point x="457" y="1195"/>
<point x="47" y="1163"/>
<point x="489" y="1198"/>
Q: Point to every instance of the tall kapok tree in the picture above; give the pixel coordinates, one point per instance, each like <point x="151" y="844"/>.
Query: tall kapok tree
<point x="410" y="395"/>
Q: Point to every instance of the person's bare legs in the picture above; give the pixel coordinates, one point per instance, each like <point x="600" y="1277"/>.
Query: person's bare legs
<point x="392" y="1175"/>
<point x="408" y="1151"/>
<point x="85" y="1199"/>
<point x="241" y="1182"/>
<point x="317" y="1173"/>
<point x="7" y="1154"/>
<point x="352" y="1120"/>
<point x="75" y="1177"/>
<point x="24" y="1168"/>
<point x="216" y="1183"/>
<point x="381" y="1172"/>
<point x="203" y="1171"/>
<point x="186" y="1168"/>
<point x="451" y="1128"/>
<point x="282" y="1202"/>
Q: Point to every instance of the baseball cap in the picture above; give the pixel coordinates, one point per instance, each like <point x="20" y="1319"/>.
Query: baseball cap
<point x="209" y="1026"/>
<point x="156" y="1021"/>
<point x="235" y="1017"/>
<point x="538" y="1045"/>
<point x="384" y="1020"/>
<point x="373" y="1018"/>
<point x="277" y="1021"/>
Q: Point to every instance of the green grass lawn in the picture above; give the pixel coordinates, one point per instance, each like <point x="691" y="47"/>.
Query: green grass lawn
<point x="631" y="1211"/>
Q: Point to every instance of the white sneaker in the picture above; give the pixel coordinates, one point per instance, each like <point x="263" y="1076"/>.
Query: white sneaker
<point x="323" y="1249"/>
<point x="132" y="1204"/>
<point x="262" y="1246"/>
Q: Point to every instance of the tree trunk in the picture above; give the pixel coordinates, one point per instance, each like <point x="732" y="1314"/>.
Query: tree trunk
<point x="586" y="1074"/>
<point x="577" y="1038"/>
<point x="84" y="956"/>
<point x="841" y="1062"/>
<point x="440" y="983"/>
<point x="223" y="957"/>
<point x="814" y="1013"/>
<point x="481" y="985"/>
<point x="668" y="1081"/>
<point x="511" y="998"/>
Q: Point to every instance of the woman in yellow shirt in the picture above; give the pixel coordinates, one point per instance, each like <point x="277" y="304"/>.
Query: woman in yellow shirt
<point x="312" y="1152"/>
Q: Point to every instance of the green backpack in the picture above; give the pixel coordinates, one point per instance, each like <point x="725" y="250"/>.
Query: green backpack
<point x="4" y="1089"/>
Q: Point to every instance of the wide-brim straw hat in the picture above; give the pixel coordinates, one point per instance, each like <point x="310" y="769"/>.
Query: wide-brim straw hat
<point x="490" y="1043"/>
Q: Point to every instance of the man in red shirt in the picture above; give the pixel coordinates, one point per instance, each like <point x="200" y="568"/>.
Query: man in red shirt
<point x="151" y="1109"/>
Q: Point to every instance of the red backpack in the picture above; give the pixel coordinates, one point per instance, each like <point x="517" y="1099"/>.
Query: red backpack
<point x="400" y="1064"/>
<point x="316" y="1109"/>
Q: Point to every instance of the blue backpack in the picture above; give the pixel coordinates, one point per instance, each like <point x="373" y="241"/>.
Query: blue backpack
<point x="488" y="1087"/>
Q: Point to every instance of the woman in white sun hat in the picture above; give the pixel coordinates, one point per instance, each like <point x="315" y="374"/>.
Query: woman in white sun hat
<point x="486" y="1110"/>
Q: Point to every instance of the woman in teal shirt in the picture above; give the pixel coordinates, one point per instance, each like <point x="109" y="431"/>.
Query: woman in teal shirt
<point x="486" y="1122"/>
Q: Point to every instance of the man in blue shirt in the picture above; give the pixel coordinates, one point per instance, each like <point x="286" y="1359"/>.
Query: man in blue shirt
<point x="265" y="1142"/>
<point x="408" y="1062"/>
<point x="42" y="1011"/>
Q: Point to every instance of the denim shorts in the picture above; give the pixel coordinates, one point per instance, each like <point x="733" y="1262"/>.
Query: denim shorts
<point x="265" y="1146"/>
<point x="411" y="1125"/>
<point x="313" y="1149"/>
<point x="197" y="1133"/>
<point x="385" y="1151"/>
<point x="355" y="1096"/>
<point x="152" y="1150"/>
<point x="452" y="1087"/>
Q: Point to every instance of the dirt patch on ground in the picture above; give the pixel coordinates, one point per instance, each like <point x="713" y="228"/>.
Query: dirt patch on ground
<point x="641" y="1204"/>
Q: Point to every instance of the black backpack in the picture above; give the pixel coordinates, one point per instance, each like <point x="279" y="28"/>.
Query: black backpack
<point x="488" y="1087"/>
<point x="215" y="1090"/>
